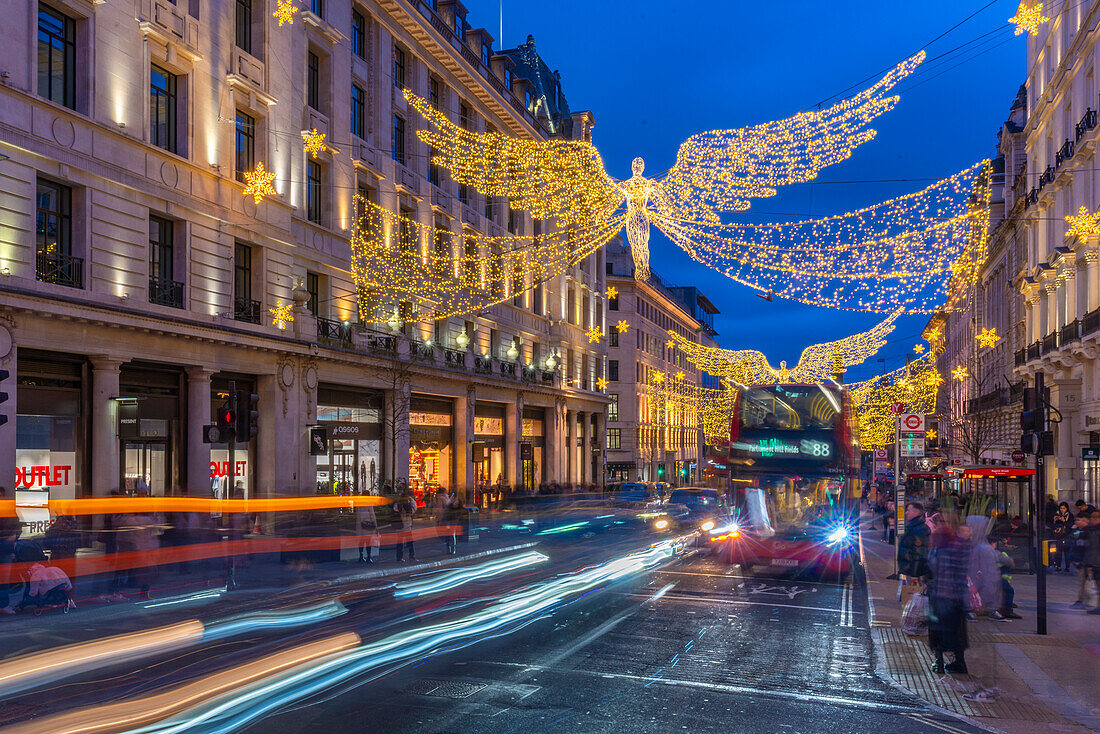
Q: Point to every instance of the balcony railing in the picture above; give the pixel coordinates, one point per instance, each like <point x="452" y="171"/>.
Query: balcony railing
<point x="334" y="332"/>
<point x="60" y="270"/>
<point x="529" y="374"/>
<point x="381" y="343"/>
<point x="1032" y="198"/>
<point x="1050" y="342"/>
<point x="422" y="351"/>
<point x="508" y="369"/>
<point x="1021" y="357"/>
<point x="1046" y="177"/>
<point x="547" y="378"/>
<point x="483" y="365"/>
<point x="166" y="292"/>
<point x="455" y="358"/>
<point x="1088" y="122"/>
<point x="245" y="309"/>
<point x="1064" y="153"/>
<point x="1071" y="332"/>
<point x="1091" y="322"/>
<point x="1033" y="351"/>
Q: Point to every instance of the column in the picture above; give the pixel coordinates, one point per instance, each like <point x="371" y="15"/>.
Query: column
<point x="105" y="456"/>
<point x="395" y="434"/>
<point x="575" y="453"/>
<point x="513" y="434"/>
<point x="7" y="411"/>
<point x="552" y="428"/>
<point x="279" y="439"/>
<point x="198" y="415"/>
<point x="463" y="420"/>
<point x="1065" y="395"/>
<point x="1091" y="301"/>
<point x="601" y="446"/>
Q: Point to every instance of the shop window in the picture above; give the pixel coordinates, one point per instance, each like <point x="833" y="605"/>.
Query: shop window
<point x="56" y="57"/>
<point x="244" y="144"/>
<point x="163" y="109"/>
<point x="614" y="438"/>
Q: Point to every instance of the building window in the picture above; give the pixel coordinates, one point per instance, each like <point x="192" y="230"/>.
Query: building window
<point x="244" y="144"/>
<point x="244" y="25"/>
<point x="54" y="229"/>
<point x="313" y="287"/>
<point x="613" y="407"/>
<point x="613" y="303"/>
<point x="313" y="191"/>
<point x="486" y="52"/>
<point x="508" y="79"/>
<point x="358" y="34"/>
<point x="433" y="169"/>
<point x="163" y="287"/>
<point x="398" y="138"/>
<point x="527" y="99"/>
<point x="244" y="308"/>
<point x="162" y="109"/>
<point x="613" y="338"/>
<point x="435" y="95"/>
<point x="614" y="438"/>
<point x="317" y="7"/>
<point x="313" y="81"/>
<point x="358" y="111"/>
<point x="460" y="26"/>
<point x="398" y="67"/>
<point x="613" y="370"/>
<point x="56" y="57"/>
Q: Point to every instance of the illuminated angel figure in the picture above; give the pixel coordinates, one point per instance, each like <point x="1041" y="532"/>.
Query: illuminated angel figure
<point x="716" y="171"/>
<point x="817" y="363"/>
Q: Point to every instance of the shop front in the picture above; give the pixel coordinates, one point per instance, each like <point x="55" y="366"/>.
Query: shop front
<point x="619" y="471"/>
<point x="431" y="439"/>
<point x="350" y="461"/>
<point x="50" y="435"/>
<point x="148" y="428"/>
<point x="232" y="468"/>
<point x="488" y="451"/>
<point x="532" y="449"/>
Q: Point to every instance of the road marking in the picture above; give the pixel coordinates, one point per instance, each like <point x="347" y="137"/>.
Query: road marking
<point x="846" y="607"/>
<point x="678" y="597"/>
<point x="928" y="721"/>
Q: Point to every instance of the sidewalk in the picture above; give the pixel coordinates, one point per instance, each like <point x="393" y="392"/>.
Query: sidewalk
<point x="1047" y="682"/>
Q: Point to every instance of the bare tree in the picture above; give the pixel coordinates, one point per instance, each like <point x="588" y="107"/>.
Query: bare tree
<point x="977" y="404"/>
<point x="395" y="376"/>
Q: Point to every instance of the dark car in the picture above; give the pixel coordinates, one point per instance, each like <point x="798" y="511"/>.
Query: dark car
<point x="630" y="493"/>
<point x="706" y="508"/>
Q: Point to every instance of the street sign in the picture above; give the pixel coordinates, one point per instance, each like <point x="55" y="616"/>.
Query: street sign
<point x="1018" y="456"/>
<point x="897" y="407"/>
<point x="1090" y="453"/>
<point x="880" y="454"/>
<point x="881" y="468"/>
<point x="912" y="422"/>
<point x="912" y="447"/>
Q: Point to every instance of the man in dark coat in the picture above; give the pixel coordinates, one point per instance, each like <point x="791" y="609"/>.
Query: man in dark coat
<point x="947" y="600"/>
<point x="913" y="547"/>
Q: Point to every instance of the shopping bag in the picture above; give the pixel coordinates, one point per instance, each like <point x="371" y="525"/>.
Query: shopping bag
<point x="975" y="597"/>
<point x="915" y="617"/>
<point x="375" y="540"/>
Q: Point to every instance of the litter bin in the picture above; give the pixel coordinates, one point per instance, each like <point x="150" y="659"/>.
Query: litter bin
<point x="470" y="524"/>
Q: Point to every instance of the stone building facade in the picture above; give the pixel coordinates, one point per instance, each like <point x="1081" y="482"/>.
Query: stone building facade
<point x="137" y="282"/>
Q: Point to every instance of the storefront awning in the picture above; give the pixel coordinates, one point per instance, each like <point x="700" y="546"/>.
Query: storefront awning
<point x="924" y="476"/>
<point x="981" y="470"/>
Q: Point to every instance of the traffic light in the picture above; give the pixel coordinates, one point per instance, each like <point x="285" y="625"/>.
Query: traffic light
<point x="227" y="418"/>
<point x="661" y="471"/>
<point x="4" y="375"/>
<point x="247" y="415"/>
<point x="1033" y="417"/>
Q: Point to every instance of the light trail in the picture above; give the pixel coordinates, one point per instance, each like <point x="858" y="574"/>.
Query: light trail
<point x="451" y="579"/>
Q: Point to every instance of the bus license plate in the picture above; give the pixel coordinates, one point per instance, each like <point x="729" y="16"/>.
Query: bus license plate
<point x="784" y="562"/>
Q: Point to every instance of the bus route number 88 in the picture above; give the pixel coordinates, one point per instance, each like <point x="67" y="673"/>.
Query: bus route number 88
<point x="817" y="449"/>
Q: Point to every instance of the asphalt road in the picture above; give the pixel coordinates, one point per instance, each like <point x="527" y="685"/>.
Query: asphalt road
<point x="714" y="652"/>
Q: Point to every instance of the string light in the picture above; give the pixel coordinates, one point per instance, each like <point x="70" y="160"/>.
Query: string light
<point x="817" y="363"/>
<point x="915" y="386"/>
<point x="314" y="141"/>
<point x="1084" y="224"/>
<point x="612" y="293"/>
<point x="282" y="314"/>
<point x="285" y="11"/>
<point x="594" y="334"/>
<point x="960" y="373"/>
<point x="258" y="183"/>
<point x="622" y="326"/>
<point x="677" y="404"/>
<point x="988" y="338"/>
<point x="1028" y="18"/>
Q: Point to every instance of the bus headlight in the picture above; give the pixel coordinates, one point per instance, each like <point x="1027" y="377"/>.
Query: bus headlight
<point x="661" y="524"/>
<point x="840" y="534"/>
<point x="707" y="525"/>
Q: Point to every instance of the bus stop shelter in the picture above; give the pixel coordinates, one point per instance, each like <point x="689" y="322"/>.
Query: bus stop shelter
<point x="1010" y="496"/>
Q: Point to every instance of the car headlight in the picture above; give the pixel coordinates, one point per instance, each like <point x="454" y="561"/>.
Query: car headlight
<point x="661" y="524"/>
<point x="840" y="534"/>
<point x="707" y="525"/>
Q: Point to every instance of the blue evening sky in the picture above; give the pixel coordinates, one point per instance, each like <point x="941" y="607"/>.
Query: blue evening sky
<point x="655" y="73"/>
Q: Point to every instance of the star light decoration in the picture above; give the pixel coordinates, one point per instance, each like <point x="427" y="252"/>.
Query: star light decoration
<point x="314" y="141"/>
<point x="285" y="11"/>
<point x="1028" y="18"/>
<point x="622" y="326"/>
<point x="1084" y="224"/>
<point x="988" y="338"/>
<point x="282" y="314"/>
<point x="594" y="334"/>
<point x="258" y="183"/>
<point x="873" y="259"/>
<point x="960" y="373"/>
<point x="817" y="363"/>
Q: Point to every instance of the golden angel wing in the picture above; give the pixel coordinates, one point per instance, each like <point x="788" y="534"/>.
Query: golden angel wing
<point x="821" y="361"/>
<point x="745" y="366"/>
<point x="721" y="170"/>
<point x="557" y="178"/>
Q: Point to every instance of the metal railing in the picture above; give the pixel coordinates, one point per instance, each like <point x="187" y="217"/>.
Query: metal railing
<point x="60" y="270"/>
<point x="1034" y="351"/>
<point x="1021" y="357"/>
<point x="1032" y="198"/>
<point x="336" y="332"/>
<point x="422" y="351"/>
<point x="547" y="378"/>
<point x="508" y="369"/>
<point x="1064" y="153"/>
<point x="483" y="365"/>
<point x="1091" y="322"/>
<point x="1050" y="342"/>
<point x="245" y="309"/>
<point x="529" y="374"/>
<point x="1088" y="122"/>
<point x="381" y="343"/>
<point x="1071" y="332"/>
<point x="455" y="358"/>
<point x="166" y="292"/>
<point x="1046" y="177"/>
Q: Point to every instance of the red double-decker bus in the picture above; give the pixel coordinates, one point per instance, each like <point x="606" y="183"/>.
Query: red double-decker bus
<point x="793" y="473"/>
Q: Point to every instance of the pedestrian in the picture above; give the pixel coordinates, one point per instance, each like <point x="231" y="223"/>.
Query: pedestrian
<point x="1092" y="557"/>
<point x="368" y="532"/>
<point x="47" y="586"/>
<point x="440" y="504"/>
<point x="1059" y="532"/>
<point x="453" y="520"/>
<point x="9" y="533"/>
<point x="1005" y="564"/>
<point x="138" y="537"/>
<point x="62" y="538"/>
<point x="891" y="522"/>
<point x="985" y="575"/>
<point x="404" y="508"/>
<point x="1084" y="508"/>
<point x="1078" y="544"/>
<point x="913" y="548"/>
<point x="947" y="600"/>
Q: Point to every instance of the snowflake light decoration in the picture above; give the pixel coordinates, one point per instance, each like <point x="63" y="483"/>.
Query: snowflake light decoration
<point x="314" y="142"/>
<point x="1084" y="224"/>
<point x="282" y="314"/>
<point x="918" y="348"/>
<point x="612" y="293"/>
<point x="285" y="12"/>
<point x="657" y="377"/>
<point x="988" y="338"/>
<point x="601" y="384"/>
<point x="622" y="326"/>
<point x="258" y="183"/>
<point x="594" y="334"/>
<point x="680" y="375"/>
<point x="930" y="434"/>
<point x="1028" y="18"/>
<point x="960" y="373"/>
